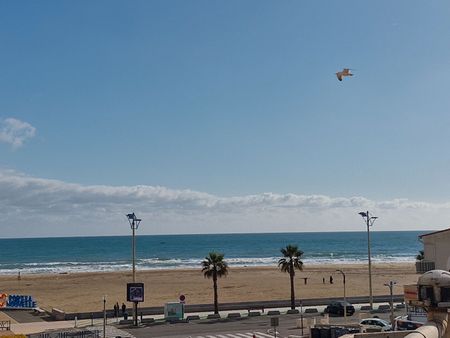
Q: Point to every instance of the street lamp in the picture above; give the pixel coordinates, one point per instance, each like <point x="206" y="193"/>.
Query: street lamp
<point x="104" y="316"/>
<point x="369" y="222"/>
<point x="301" y="315"/>
<point x="345" y="297"/>
<point x="390" y="285"/>
<point x="134" y="224"/>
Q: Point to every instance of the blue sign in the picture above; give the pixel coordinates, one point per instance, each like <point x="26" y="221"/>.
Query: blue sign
<point x="20" y="301"/>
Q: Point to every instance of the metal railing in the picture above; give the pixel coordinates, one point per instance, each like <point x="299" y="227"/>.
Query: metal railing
<point x="424" y="266"/>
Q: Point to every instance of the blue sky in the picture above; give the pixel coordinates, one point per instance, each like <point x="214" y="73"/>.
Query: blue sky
<point x="232" y="100"/>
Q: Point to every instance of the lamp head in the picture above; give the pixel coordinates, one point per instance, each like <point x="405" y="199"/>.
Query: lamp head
<point x="131" y="216"/>
<point x="363" y="214"/>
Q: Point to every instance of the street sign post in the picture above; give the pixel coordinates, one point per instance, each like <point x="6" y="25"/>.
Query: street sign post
<point x="274" y="322"/>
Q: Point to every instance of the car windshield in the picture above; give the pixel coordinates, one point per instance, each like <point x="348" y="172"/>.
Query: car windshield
<point x="375" y="321"/>
<point x="344" y="303"/>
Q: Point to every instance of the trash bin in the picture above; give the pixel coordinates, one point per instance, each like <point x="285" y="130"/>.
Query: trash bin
<point x="315" y="332"/>
<point x="336" y="332"/>
<point x="325" y="333"/>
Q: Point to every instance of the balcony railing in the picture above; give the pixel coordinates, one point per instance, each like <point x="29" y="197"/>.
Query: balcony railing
<point x="424" y="266"/>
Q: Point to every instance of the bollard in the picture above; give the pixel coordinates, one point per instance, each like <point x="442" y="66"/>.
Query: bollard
<point x="92" y="319"/>
<point x="75" y="321"/>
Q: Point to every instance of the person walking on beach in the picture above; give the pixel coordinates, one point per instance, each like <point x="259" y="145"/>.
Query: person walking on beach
<point x="323" y="280"/>
<point x="331" y="279"/>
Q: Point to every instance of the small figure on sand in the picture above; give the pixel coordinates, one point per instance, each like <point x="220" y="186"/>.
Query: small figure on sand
<point x="323" y="280"/>
<point x="331" y="279"/>
<point x="124" y="310"/>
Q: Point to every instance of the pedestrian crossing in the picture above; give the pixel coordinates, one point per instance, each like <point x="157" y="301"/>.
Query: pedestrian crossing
<point x="238" y="335"/>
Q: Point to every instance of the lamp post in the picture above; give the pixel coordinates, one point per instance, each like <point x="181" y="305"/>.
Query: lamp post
<point x="104" y="316"/>
<point x="134" y="224"/>
<point x="345" y="296"/>
<point x="390" y="285"/>
<point x="369" y="222"/>
<point x="301" y="315"/>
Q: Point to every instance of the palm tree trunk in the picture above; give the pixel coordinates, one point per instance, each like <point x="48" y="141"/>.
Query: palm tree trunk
<point x="216" y="302"/>
<point x="291" y="275"/>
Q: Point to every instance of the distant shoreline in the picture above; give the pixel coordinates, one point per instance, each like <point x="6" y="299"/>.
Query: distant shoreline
<point x="119" y="269"/>
<point x="83" y="292"/>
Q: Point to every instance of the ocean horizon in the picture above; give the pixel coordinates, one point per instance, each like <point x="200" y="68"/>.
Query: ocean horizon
<point x="113" y="253"/>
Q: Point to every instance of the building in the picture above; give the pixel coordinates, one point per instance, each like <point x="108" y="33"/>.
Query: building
<point x="436" y="247"/>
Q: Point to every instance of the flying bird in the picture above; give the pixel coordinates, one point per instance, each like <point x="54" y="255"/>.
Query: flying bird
<point x="344" y="72"/>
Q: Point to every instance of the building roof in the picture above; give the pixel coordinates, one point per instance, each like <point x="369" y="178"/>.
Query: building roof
<point x="434" y="233"/>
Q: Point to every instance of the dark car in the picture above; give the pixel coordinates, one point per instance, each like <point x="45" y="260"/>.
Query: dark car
<point x="337" y="308"/>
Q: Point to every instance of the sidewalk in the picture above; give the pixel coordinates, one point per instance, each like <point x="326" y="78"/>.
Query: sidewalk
<point x="37" y="327"/>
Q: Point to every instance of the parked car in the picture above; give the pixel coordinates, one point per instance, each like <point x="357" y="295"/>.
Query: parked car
<point x="376" y="323"/>
<point x="404" y="323"/>
<point x="337" y="308"/>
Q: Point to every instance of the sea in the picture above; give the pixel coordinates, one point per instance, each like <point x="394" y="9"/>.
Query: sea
<point x="113" y="253"/>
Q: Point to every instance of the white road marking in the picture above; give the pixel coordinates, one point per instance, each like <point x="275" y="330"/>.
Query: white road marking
<point x="239" y="335"/>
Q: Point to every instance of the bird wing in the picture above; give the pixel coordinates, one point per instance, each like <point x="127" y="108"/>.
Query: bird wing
<point x="339" y="76"/>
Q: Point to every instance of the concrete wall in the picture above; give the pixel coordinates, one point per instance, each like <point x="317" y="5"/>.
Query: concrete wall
<point x="387" y="334"/>
<point x="437" y="249"/>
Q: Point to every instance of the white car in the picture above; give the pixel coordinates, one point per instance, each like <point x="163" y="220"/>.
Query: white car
<point x="376" y="323"/>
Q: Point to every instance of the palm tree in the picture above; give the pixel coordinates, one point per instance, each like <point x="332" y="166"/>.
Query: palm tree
<point x="289" y="263"/>
<point x="214" y="267"/>
<point x="420" y="256"/>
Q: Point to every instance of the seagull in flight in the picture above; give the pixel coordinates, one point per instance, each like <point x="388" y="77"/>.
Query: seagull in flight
<point x="344" y="72"/>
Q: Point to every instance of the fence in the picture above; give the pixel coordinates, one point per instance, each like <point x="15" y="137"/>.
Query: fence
<point x="67" y="334"/>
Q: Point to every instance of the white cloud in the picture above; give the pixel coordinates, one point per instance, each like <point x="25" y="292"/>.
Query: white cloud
<point x="15" y="132"/>
<point x="33" y="206"/>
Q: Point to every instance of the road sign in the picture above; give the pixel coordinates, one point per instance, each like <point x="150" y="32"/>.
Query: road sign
<point x="135" y="292"/>
<point x="274" y="321"/>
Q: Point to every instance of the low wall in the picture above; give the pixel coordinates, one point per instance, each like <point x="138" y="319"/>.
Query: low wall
<point x="387" y="334"/>
<point x="58" y="314"/>
<point x="260" y="305"/>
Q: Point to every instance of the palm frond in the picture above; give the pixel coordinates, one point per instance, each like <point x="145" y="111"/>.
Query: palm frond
<point x="214" y="264"/>
<point x="290" y="260"/>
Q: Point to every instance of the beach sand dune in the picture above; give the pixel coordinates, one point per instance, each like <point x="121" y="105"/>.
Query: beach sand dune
<point x="83" y="292"/>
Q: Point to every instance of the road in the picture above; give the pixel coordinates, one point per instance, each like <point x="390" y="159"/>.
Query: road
<point x="232" y="328"/>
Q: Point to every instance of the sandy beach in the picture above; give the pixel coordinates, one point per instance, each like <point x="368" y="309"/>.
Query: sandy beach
<point x="84" y="292"/>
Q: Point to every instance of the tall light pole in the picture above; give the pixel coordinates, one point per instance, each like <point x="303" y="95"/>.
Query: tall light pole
<point x="104" y="316"/>
<point x="345" y="296"/>
<point x="134" y="224"/>
<point x="390" y="285"/>
<point x="369" y="222"/>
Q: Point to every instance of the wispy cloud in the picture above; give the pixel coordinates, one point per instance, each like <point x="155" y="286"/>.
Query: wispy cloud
<point x="15" y="132"/>
<point x="33" y="206"/>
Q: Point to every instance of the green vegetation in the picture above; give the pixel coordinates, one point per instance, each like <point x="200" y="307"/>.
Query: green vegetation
<point x="290" y="262"/>
<point x="214" y="267"/>
<point x="420" y="256"/>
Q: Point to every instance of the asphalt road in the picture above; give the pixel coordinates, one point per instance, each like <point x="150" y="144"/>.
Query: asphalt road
<point x="220" y="328"/>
